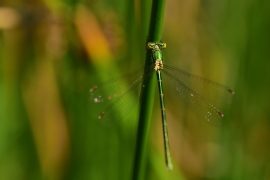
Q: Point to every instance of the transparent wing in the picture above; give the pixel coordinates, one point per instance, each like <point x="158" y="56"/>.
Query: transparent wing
<point x="210" y="90"/>
<point x="119" y="95"/>
<point x="114" y="88"/>
<point x="198" y="104"/>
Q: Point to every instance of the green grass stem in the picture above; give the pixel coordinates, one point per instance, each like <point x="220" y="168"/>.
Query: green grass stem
<point x="147" y="96"/>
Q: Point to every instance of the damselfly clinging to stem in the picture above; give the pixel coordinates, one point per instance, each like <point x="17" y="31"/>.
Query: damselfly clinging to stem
<point x="198" y="93"/>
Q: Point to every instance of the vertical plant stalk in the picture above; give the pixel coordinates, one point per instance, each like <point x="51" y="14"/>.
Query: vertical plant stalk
<point x="147" y="94"/>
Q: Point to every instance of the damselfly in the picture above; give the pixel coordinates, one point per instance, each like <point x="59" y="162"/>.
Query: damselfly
<point x="197" y="92"/>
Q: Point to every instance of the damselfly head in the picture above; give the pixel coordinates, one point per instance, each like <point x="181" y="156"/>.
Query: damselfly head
<point x="156" y="45"/>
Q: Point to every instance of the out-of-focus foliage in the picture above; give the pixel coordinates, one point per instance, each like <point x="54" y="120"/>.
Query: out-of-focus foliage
<point x="52" y="52"/>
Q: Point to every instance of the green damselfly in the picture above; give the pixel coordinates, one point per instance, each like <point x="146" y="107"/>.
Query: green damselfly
<point x="197" y="92"/>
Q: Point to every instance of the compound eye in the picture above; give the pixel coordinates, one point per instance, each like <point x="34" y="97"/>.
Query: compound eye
<point x="162" y="45"/>
<point x="150" y="45"/>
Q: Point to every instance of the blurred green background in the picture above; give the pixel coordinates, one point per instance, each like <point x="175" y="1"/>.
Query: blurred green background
<point x="52" y="52"/>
